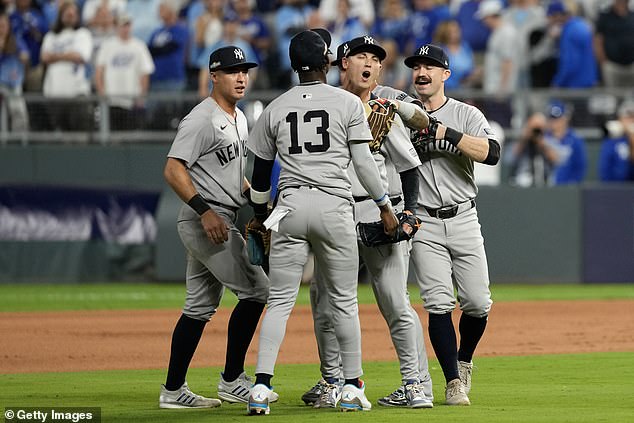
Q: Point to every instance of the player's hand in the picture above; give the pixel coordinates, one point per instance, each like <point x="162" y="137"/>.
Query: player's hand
<point x="215" y="227"/>
<point x="390" y="222"/>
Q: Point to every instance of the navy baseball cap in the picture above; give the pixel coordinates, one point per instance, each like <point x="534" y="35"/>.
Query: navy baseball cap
<point x="429" y="53"/>
<point x="309" y="49"/>
<point x="556" y="7"/>
<point x="359" y="45"/>
<point x="228" y="57"/>
<point x="557" y="109"/>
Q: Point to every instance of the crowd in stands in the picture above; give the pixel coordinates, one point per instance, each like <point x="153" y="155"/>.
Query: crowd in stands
<point x="117" y="48"/>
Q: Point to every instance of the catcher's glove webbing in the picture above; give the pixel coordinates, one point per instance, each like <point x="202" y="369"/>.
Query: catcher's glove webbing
<point x="258" y="243"/>
<point x="372" y="234"/>
<point x="380" y="115"/>
<point x="422" y="138"/>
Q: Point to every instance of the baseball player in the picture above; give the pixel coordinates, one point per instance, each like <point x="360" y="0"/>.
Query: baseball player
<point x="316" y="131"/>
<point x="359" y="62"/>
<point x="450" y="253"/>
<point x="205" y="167"/>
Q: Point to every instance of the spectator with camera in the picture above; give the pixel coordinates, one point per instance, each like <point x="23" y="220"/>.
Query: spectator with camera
<point x="616" y="159"/>
<point x="549" y="151"/>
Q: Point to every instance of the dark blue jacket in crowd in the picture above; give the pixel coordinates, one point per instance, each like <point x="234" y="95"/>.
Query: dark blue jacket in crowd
<point x="167" y="46"/>
<point x="614" y="160"/>
<point x="26" y="26"/>
<point x="577" y="67"/>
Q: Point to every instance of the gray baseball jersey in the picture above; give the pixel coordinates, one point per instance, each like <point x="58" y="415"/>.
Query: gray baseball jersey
<point x="212" y="144"/>
<point x="387" y="266"/>
<point x="302" y="125"/>
<point x="398" y="153"/>
<point x="383" y="91"/>
<point x="449" y="249"/>
<point x="309" y="128"/>
<point x="447" y="174"/>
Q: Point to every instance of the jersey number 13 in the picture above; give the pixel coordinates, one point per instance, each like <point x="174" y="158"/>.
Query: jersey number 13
<point x="322" y="130"/>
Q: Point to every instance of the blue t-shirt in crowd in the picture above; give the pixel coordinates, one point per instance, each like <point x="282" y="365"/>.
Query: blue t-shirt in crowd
<point x="396" y="29"/>
<point x="423" y="23"/>
<point x="577" y="67"/>
<point x="474" y="31"/>
<point x="461" y="65"/>
<point x="167" y="46"/>
<point x="573" y="158"/>
<point x="11" y="68"/>
<point x="255" y="28"/>
<point x="25" y="26"/>
<point x="614" y="160"/>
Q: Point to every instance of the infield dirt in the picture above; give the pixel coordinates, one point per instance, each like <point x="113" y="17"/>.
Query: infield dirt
<point x="140" y="339"/>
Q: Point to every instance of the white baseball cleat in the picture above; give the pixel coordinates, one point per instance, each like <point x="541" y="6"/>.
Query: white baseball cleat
<point x="455" y="394"/>
<point x="415" y="396"/>
<point x="354" y="399"/>
<point x="259" y="399"/>
<point x="239" y="390"/>
<point x="464" y="370"/>
<point x="183" y="397"/>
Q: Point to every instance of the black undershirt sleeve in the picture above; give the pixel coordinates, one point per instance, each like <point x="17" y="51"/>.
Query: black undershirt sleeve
<point x="409" y="184"/>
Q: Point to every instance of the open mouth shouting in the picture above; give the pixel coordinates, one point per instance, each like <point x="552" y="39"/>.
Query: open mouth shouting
<point x="366" y="76"/>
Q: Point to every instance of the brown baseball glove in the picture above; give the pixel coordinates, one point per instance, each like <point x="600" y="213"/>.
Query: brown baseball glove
<point x="380" y="115"/>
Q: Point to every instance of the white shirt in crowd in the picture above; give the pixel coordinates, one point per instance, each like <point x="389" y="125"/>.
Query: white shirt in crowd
<point x="124" y="62"/>
<point x="65" y="78"/>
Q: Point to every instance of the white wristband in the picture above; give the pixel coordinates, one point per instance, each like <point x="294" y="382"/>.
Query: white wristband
<point x="406" y="110"/>
<point x="260" y="197"/>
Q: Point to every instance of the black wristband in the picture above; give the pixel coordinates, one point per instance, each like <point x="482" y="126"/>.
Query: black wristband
<point x="199" y="205"/>
<point x="260" y="211"/>
<point x="453" y="136"/>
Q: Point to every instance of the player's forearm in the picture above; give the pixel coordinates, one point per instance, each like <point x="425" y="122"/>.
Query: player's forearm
<point x="260" y="191"/>
<point x="368" y="173"/>
<point x="178" y="178"/>
<point x="479" y="149"/>
<point x="412" y="115"/>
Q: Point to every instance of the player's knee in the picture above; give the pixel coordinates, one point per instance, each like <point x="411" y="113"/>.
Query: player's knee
<point x="199" y="313"/>
<point x="477" y="307"/>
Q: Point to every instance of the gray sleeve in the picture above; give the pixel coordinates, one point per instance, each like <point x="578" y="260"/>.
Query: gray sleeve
<point x="261" y="140"/>
<point x="366" y="170"/>
<point x="478" y="126"/>
<point x="399" y="148"/>
<point x="191" y="140"/>
<point x="358" y="128"/>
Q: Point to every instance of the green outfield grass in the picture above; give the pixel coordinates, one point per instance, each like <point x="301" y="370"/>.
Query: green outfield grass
<point x="118" y="296"/>
<point x="549" y="388"/>
<point x="593" y="387"/>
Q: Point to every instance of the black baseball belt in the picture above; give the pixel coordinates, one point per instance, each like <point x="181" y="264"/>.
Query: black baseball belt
<point x="447" y="212"/>
<point x="224" y="206"/>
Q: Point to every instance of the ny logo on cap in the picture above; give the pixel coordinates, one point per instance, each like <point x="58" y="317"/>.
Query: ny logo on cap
<point x="424" y="51"/>
<point x="368" y="40"/>
<point x="345" y="49"/>
<point x="238" y="53"/>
